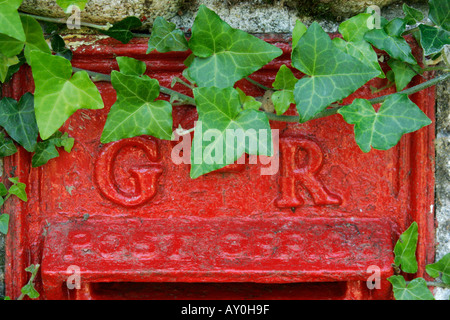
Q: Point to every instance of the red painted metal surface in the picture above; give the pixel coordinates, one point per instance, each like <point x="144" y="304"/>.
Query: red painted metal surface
<point x="137" y="226"/>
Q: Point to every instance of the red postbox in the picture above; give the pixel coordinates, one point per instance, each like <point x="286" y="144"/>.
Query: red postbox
<point x="132" y="224"/>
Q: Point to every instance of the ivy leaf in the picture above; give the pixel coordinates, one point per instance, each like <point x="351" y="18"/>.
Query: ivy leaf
<point x="383" y="129"/>
<point x="362" y="51"/>
<point x="4" y="223"/>
<point x="18" y="189"/>
<point x="58" y="94"/>
<point x="131" y="67"/>
<point x="34" y="37"/>
<point x="416" y="290"/>
<point x="122" y="30"/>
<point x="12" y="69"/>
<point x="405" y="249"/>
<point x="165" y="37"/>
<point x="332" y="74"/>
<point x="5" y="64"/>
<point x="403" y="73"/>
<point x="353" y="31"/>
<point x="19" y="121"/>
<point x="30" y="291"/>
<point x="224" y="55"/>
<point x="442" y="266"/>
<point x="9" y="46"/>
<point x="285" y="83"/>
<point x="248" y="102"/>
<point x="412" y="16"/>
<point x="10" y="23"/>
<point x="66" y="142"/>
<point x="59" y="47"/>
<point x="7" y="146"/>
<point x="221" y="122"/>
<point x="395" y="27"/>
<point x="298" y="32"/>
<point x="136" y="112"/>
<point x="439" y="13"/>
<point x="46" y="150"/>
<point x="66" y="5"/>
<point x="3" y="190"/>
<point x="354" y="28"/>
<point x="395" y="46"/>
<point x="433" y="39"/>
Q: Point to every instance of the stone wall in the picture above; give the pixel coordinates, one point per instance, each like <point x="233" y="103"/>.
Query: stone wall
<point x="266" y="16"/>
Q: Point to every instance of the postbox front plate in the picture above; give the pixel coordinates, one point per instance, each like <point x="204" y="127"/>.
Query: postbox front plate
<point x="126" y="214"/>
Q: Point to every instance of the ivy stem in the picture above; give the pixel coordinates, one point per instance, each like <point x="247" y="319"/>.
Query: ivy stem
<point x="64" y="21"/>
<point x="332" y="111"/>
<point x="434" y="284"/>
<point x="256" y="83"/>
<point x="446" y="69"/>
<point x="184" y="83"/>
<point x="97" y="77"/>
<point x="285" y="118"/>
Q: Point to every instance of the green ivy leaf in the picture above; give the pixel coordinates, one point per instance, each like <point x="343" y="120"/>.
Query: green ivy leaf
<point x="66" y="5"/>
<point x="4" y="223"/>
<point x="403" y="73"/>
<point x="298" y="32"/>
<point x="58" y="94"/>
<point x="285" y="83"/>
<point x="34" y="37"/>
<point x="131" y="67"/>
<point x="248" y="102"/>
<point x="395" y="46"/>
<point x="30" y="291"/>
<point x="439" y="13"/>
<point x="219" y="114"/>
<point x="166" y="37"/>
<point x="383" y="129"/>
<point x="3" y="190"/>
<point x="442" y="266"/>
<point x="12" y="69"/>
<point x="18" y="189"/>
<point x="353" y="29"/>
<point x="19" y="121"/>
<point x="362" y="51"/>
<point x="9" y="46"/>
<point x="122" y="30"/>
<point x="416" y="290"/>
<point x="224" y="55"/>
<point x="46" y="150"/>
<point x="7" y="146"/>
<point x="10" y="23"/>
<point x="412" y="16"/>
<point x="5" y="64"/>
<point x="405" y="249"/>
<point x="433" y="39"/>
<point x="136" y="112"/>
<point x="59" y="47"/>
<point x="395" y="27"/>
<point x="34" y="40"/>
<point x="331" y="74"/>
<point x="65" y="142"/>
